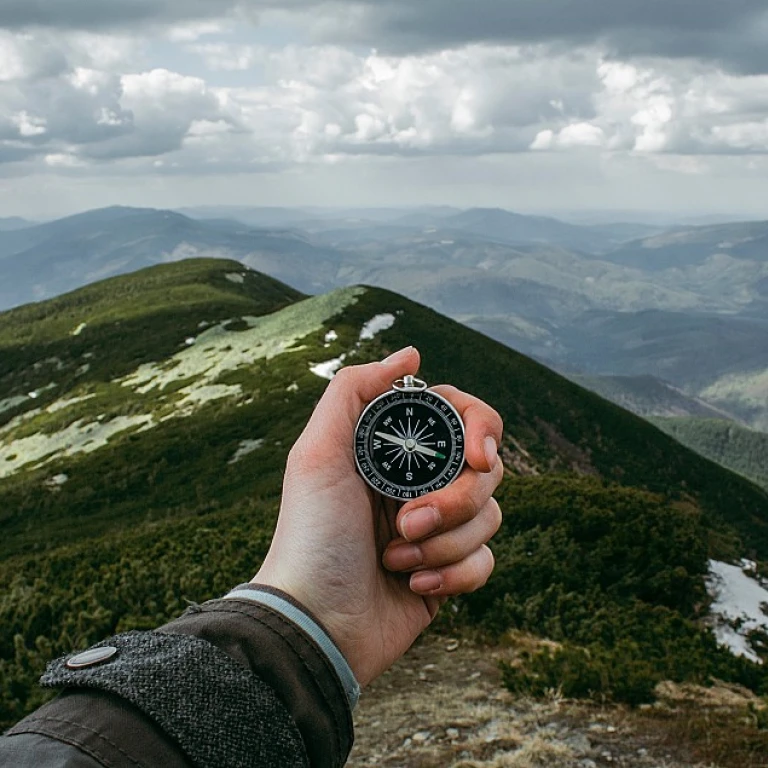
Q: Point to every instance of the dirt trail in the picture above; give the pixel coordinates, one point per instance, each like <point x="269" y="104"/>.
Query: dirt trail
<point x="443" y="706"/>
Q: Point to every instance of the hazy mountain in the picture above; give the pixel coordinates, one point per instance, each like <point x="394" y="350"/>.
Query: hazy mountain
<point x="647" y="396"/>
<point x="688" y="246"/>
<point x="13" y="222"/>
<point x="517" y="229"/>
<point x="48" y="259"/>
<point x="692" y="323"/>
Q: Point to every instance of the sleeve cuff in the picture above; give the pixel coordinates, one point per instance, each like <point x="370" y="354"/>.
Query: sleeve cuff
<point x="299" y="616"/>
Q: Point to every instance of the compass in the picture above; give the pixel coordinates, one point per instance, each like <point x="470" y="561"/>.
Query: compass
<point x="409" y="441"/>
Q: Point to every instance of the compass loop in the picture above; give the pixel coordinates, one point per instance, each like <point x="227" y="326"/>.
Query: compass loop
<point x="409" y="384"/>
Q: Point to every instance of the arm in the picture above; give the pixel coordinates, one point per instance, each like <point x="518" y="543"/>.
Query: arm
<point x="268" y="675"/>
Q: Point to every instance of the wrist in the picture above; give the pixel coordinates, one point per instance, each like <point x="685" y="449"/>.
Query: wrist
<point x="283" y="603"/>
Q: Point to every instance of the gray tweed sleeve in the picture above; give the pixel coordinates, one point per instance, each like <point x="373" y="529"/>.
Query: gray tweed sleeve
<point x="227" y="717"/>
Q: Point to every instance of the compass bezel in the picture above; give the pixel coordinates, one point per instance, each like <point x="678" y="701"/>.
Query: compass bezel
<point x="366" y="465"/>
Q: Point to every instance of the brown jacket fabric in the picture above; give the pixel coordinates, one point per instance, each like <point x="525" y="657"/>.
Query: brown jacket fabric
<point x="230" y="684"/>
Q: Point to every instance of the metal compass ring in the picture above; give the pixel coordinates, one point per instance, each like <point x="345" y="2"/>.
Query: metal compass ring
<point x="410" y="384"/>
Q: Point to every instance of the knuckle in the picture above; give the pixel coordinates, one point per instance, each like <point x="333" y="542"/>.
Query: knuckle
<point x="345" y="376"/>
<point x="486" y="565"/>
<point x="497" y="518"/>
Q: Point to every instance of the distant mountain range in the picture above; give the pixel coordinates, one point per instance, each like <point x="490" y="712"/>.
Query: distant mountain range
<point x="688" y="305"/>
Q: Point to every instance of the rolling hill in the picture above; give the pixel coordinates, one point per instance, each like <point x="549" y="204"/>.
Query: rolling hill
<point x="144" y="425"/>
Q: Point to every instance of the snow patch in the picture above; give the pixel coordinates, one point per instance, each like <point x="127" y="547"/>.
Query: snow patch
<point x="56" y="482"/>
<point x="234" y="277"/>
<point x="79" y="437"/>
<point x="377" y="325"/>
<point x="198" y="396"/>
<point x="331" y="336"/>
<point x="246" y="447"/>
<point x="737" y="607"/>
<point x="293" y="387"/>
<point x="219" y="351"/>
<point x="328" y="369"/>
<point x="61" y="405"/>
<point x="80" y="328"/>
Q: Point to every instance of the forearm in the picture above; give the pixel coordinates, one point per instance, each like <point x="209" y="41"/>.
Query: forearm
<point x="231" y="682"/>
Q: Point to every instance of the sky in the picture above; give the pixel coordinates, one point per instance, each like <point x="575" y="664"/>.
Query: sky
<point x="531" y="105"/>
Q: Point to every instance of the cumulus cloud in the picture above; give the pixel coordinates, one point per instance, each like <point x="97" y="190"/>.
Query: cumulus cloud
<point x="82" y="99"/>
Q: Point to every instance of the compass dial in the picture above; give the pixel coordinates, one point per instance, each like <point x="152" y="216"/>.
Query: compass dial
<point x="408" y="444"/>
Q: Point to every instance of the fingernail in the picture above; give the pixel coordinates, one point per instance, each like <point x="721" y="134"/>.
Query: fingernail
<point x="426" y="582"/>
<point x="403" y="557"/>
<point x="491" y="451"/>
<point x="420" y="523"/>
<point x="397" y="355"/>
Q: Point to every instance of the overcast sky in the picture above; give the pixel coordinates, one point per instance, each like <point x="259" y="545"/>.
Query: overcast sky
<point x="534" y="105"/>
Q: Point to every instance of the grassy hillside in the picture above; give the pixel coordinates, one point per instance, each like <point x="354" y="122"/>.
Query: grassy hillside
<point x="742" y="450"/>
<point x="147" y="470"/>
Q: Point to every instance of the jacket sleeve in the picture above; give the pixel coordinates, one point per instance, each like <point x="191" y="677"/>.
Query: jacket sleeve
<point x="249" y="680"/>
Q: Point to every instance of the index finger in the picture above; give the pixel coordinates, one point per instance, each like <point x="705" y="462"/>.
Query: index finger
<point x="483" y="426"/>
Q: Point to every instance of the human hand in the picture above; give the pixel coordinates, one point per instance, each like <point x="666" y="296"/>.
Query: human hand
<point x="334" y="533"/>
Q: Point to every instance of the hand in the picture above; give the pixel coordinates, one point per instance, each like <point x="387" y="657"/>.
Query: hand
<point x="334" y="533"/>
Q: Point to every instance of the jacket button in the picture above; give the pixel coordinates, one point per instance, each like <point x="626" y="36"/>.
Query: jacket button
<point x="91" y="658"/>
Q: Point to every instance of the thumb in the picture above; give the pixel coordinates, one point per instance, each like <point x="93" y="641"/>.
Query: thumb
<point x="338" y="411"/>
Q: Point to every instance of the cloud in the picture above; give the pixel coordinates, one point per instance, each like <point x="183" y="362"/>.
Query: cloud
<point x="81" y="100"/>
<point x="731" y="33"/>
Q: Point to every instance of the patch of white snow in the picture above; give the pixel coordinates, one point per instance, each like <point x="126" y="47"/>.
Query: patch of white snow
<point x="80" y="437"/>
<point x="234" y="277"/>
<point x="80" y="328"/>
<point x="61" y="405"/>
<point x="328" y="369"/>
<point x="738" y="600"/>
<point x="331" y="336"/>
<point x="377" y="325"/>
<point x="246" y="447"/>
<point x="56" y="482"/>
<point x="218" y="350"/>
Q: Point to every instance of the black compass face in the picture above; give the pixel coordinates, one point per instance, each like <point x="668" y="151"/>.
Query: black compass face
<point x="408" y="444"/>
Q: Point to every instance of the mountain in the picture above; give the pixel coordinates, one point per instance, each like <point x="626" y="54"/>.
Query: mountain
<point x="647" y="396"/>
<point x="735" y="447"/>
<point x="668" y="345"/>
<point x="686" y="246"/>
<point x="144" y="425"/>
<point x="516" y="229"/>
<point x="48" y="259"/>
<point x="11" y="223"/>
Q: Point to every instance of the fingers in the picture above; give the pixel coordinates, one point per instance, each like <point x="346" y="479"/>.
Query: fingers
<point x="449" y="507"/>
<point x="333" y="422"/>
<point x="459" y="578"/>
<point x="447" y="548"/>
<point x="484" y="427"/>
